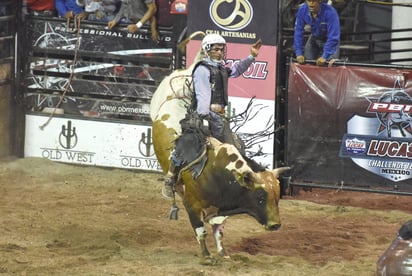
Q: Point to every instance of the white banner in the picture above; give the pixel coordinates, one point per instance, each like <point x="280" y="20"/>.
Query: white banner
<point x="260" y="116"/>
<point x="89" y="142"/>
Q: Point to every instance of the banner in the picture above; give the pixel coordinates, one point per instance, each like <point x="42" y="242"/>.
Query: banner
<point x="241" y="23"/>
<point x="258" y="82"/>
<point x="350" y="125"/>
<point x="91" y="142"/>
<point x="238" y="21"/>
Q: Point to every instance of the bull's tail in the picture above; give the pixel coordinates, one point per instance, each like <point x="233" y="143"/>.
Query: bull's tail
<point x="182" y="45"/>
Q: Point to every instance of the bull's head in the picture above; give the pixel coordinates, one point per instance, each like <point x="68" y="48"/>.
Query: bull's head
<point x="263" y="187"/>
<point x="271" y="188"/>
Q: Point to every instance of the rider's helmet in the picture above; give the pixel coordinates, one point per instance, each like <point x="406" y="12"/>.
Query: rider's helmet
<point x="211" y="39"/>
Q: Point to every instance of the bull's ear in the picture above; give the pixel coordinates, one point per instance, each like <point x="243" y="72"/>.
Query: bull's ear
<point x="246" y="179"/>
<point x="249" y="179"/>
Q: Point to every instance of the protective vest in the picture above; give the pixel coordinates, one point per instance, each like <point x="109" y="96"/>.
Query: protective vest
<point x="218" y="83"/>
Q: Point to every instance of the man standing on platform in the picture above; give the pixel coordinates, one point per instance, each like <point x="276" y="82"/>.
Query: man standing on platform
<point x="323" y="42"/>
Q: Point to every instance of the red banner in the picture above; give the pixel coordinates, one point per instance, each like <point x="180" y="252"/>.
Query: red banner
<point x="350" y="125"/>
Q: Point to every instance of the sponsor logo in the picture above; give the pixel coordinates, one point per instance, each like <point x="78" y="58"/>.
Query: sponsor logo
<point x="355" y="146"/>
<point x="145" y="144"/>
<point x="393" y="110"/>
<point x="179" y="7"/>
<point x="68" y="136"/>
<point x="68" y="140"/>
<point x="62" y="29"/>
<point x="133" y="162"/>
<point x="257" y="70"/>
<point x="391" y="149"/>
<point x="382" y="145"/>
<point x="147" y="160"/>
<point x="231" y="15"/>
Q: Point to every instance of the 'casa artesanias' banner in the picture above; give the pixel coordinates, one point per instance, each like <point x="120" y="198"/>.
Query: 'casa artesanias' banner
<point x="350" y="125"/>
<point x="241" y="23"/>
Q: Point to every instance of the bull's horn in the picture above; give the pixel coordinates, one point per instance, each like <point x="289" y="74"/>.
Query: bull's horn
<point x="280" y="170"/>
<point x="182" y="45"/>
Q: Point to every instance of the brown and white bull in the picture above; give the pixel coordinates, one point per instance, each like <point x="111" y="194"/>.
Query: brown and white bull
<point x="228" y="184"/>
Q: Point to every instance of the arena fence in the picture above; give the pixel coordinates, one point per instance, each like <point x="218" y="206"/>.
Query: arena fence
<point x="87" y="91"/>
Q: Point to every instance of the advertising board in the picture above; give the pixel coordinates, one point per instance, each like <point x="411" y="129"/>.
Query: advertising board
<point x="90" y="142"/>
<point x="241" y="23"/>
<point x="350" y="125"/>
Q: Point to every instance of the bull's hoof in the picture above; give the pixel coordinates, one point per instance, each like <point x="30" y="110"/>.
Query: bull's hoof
<point x="208" y="261"/>
<point x="222" y="254"/>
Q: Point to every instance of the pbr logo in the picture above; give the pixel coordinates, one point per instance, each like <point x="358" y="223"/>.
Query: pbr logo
<point x="382" y="144"/>
<point x="393" y="110"/>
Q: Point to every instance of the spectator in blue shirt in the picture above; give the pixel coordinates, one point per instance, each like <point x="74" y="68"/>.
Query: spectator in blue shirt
<point x="323" y="42"/>
<point x="70" y="9"/>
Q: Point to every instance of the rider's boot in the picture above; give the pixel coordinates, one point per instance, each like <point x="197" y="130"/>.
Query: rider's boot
<point x="168" y="188"/>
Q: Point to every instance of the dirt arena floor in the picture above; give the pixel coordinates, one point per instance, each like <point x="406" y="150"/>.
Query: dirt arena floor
<point x="59" y="219"/>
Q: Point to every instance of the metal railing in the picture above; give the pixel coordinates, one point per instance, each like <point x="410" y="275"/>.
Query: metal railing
<point x="376" y="47"/>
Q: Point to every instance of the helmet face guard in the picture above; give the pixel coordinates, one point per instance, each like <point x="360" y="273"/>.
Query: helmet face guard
<point x="211" y="39"/>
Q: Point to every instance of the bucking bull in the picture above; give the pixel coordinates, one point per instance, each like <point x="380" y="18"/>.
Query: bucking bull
<point x="227" y="183"/>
